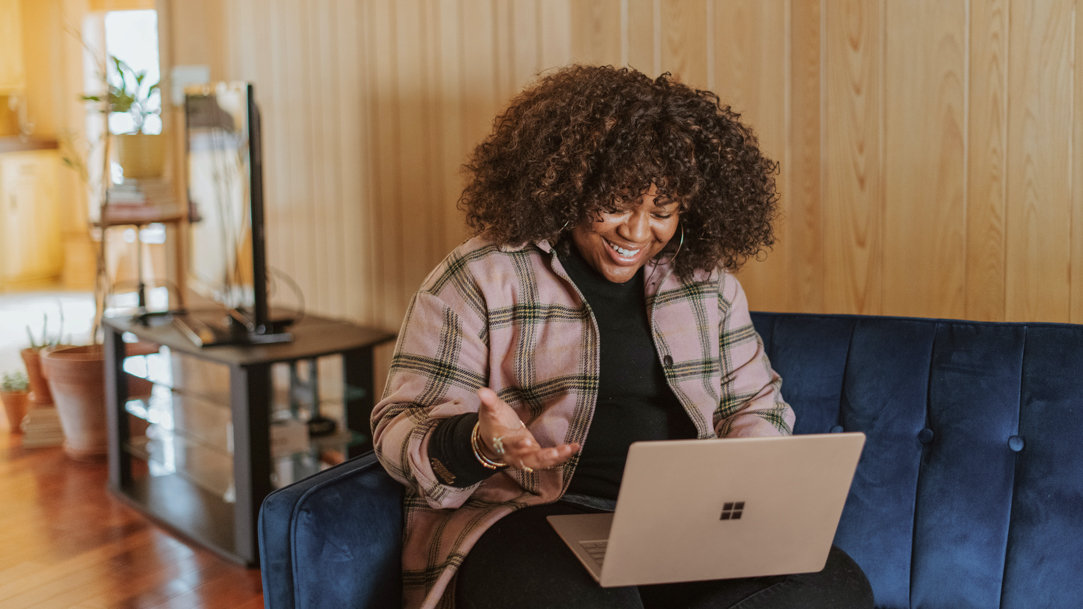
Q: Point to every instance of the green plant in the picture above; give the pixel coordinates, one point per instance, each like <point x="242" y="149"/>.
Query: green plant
<point x="14" y="381"/>
<point x="127" y="91"/>
<point x="44" y="339"/>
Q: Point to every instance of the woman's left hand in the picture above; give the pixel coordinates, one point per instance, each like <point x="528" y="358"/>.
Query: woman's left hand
<point x="505" y="437"/>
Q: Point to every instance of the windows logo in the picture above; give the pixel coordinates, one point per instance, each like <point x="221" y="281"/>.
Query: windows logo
<point x="732" y="510"/>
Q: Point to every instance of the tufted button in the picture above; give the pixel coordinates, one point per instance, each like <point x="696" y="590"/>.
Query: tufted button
<point x="1016" y="444"/>
<point x="837" y="429"/>
<point x="667" y="360"/>
<point x="925" y="436"/>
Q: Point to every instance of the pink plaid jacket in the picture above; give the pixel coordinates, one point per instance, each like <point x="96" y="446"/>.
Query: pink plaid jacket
<point x="510" y="318"/>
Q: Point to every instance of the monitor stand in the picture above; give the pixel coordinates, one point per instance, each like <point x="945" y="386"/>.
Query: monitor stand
<point x="232" y="331"/>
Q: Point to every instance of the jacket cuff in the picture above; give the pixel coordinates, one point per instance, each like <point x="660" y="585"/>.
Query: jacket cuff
<point x="450" y="455"/>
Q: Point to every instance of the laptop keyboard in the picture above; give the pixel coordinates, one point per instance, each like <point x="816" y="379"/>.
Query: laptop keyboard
<point x="595" y="548"/>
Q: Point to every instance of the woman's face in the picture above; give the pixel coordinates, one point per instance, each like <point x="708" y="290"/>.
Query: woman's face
<point x="620" y="242"/>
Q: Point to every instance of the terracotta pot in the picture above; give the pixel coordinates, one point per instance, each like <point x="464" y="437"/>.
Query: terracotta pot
<point x="16" y="403"/>
<point x="39" y="388"/>
<point x="76" y="377"/>
<point x="77" y="380"/>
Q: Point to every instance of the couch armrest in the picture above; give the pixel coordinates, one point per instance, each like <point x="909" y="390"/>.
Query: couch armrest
<point x="333" y="539"/>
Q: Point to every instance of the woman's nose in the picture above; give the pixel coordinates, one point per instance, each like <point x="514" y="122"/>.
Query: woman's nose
<point x="636" y="226"/>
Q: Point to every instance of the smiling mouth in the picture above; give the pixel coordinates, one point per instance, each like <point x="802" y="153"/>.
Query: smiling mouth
<point x="624" y="252"/>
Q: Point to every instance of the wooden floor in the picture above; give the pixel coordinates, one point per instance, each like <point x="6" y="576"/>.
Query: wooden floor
<point x="66" y="543"/>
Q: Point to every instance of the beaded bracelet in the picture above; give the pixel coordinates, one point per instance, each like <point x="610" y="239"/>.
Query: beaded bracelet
<point x="475" y="445"/>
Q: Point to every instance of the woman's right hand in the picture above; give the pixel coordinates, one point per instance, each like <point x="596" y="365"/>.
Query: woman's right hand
<point x="500" y="427"/>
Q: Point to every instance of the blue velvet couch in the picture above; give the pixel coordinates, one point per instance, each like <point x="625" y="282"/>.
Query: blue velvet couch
<point x="969" y="492"/>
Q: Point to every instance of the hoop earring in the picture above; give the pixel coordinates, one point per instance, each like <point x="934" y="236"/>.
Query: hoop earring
<point x="679" y="245"/>
<point x="656" y="262"/>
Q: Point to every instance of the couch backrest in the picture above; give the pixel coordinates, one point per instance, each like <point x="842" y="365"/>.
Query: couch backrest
<point x="333" y="540"/>
<point x="970" y="489"/>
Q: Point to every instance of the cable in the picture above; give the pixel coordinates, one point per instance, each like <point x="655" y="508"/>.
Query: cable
<point x="271" y="271"/>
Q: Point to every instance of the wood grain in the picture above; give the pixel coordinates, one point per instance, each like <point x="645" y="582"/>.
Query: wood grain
<point x="596" y="32"/>
<point x="987" y="142"/>
<point x="1075" y="315"/>
<point x="555" y="38"/>
<point x="1039" y="178"/>
<point x="644" y="50"/>
<point x="684" y="40"/>
<point x="924" y="256"/>
<point x="803" y="195"/>
<point x="751" y="69"/>
<point x="66" y="543"/>
<point x="853" y="156"/>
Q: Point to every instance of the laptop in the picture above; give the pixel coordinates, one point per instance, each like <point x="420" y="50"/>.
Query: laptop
<point x="692" y="510"/>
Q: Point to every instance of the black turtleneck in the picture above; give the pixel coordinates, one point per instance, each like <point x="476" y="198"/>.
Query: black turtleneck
<point x="634" y="401"/>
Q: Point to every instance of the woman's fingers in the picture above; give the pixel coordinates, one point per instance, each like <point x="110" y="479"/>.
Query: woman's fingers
<point x="499" y="426"/>
<point x="506" y="437"/>
<point x="495" y="412"/>
<point x="535" y="457"/>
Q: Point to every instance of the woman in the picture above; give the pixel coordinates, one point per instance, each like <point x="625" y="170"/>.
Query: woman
<point x="594" y="307"/>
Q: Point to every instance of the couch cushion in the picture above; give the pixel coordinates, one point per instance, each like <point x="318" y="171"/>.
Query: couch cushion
<point x="1045" y="535"/>
<point x="970" y="488"/>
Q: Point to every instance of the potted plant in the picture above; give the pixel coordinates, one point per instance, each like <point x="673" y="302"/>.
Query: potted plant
<point x="76" y="374"/>
<point x="15" y="393"/>
<point x="142" y="155"/>
<point x="39" y="388"/>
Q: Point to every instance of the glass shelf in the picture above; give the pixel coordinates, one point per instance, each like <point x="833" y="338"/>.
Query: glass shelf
<point x="168" y="453"/>
<point x="209" y="432"/>
<point x="189" y="417"/>
<point x="209" y="381"/>
<point x="191" y="437"/>
<point x="196" y="377"/>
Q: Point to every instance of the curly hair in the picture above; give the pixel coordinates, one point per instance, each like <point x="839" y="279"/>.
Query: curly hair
<point x="588" y="139"/>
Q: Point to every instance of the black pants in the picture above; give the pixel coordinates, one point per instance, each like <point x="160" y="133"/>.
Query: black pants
<point x="522" y="563"/>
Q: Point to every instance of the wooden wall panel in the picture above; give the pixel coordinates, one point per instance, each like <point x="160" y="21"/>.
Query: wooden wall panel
<point x="1039" y="177"/>
<point x="852" y="155"/>
<point x="684" y="50"/>
<point x="479" y="91"/>
<point x="643" y="37"/>
<point x="1076" y="279"/>
<point x="414" y="130"/>
<point x="452" y="143"/>
<point x="987" y="142"/>
<point x="803" y="227"/>
<point x="288" y="125"/>
<point x="924" y="257"/>
<point x="750" y="40"/>
<point x="596" y="32"/>
<point x="931" y="151"/>
<point x="353" y="156"/>
<point x="319" y="153"/>
<point x="382" y="28"/>
<point x="555" y="44"/>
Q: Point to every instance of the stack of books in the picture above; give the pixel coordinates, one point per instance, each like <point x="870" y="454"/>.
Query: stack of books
<point x="141" y="202"/>
<point x="141" y="192"/>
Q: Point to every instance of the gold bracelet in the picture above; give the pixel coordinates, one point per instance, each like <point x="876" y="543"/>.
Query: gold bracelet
<point x="486" y="462"/>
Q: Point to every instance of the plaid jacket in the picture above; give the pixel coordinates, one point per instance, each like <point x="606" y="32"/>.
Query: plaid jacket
<point x="512" y="320"/>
